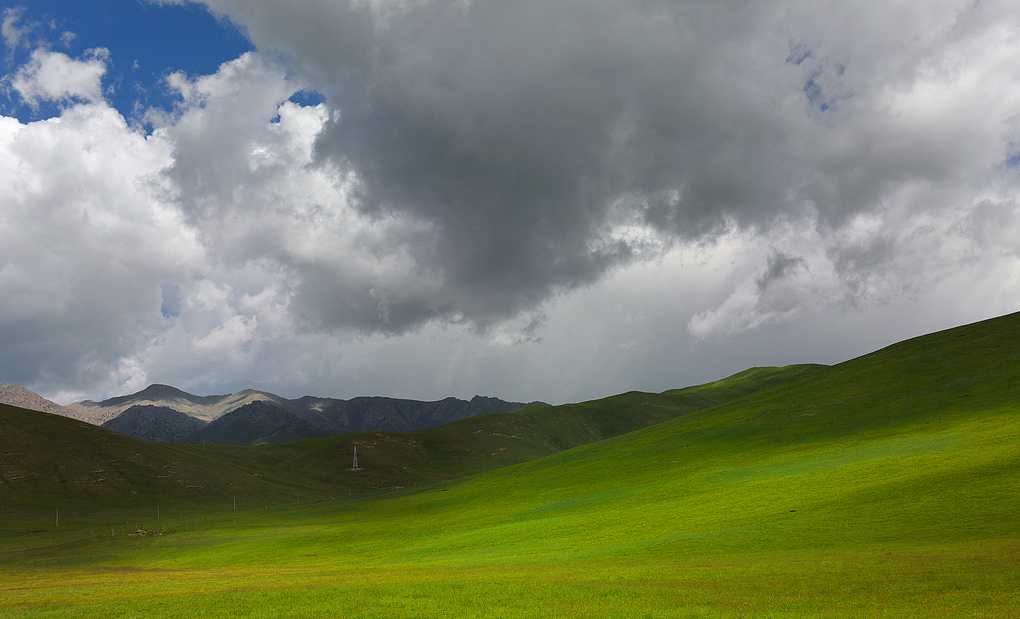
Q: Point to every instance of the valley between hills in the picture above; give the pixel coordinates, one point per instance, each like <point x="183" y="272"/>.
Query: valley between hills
<point x="884" y="486"/>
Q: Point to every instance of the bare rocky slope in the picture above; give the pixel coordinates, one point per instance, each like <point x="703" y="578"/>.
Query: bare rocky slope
<point x="16" y="395"/>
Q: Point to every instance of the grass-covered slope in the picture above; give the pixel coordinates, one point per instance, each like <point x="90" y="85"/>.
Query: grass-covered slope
<point x="882" y="487"/>
<point x="48" y="459"/>
<point x="487" y="442"/>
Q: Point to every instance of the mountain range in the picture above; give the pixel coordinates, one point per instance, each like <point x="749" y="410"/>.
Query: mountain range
<point x="165" y="414"/>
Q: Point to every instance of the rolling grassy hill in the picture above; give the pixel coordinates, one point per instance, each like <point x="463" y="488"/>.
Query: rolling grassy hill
<point x="491" y="441"/>
<point x="47" y="460"/>
<point x="885" y="486"/>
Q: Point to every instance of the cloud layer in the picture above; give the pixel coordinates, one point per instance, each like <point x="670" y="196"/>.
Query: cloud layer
<point x="538" y="145"/>
<point x="494" y="191"/>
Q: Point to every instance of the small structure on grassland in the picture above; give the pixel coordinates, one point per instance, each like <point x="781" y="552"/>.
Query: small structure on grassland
<point x="355" y="467"/>
<point x="140" y="532"/>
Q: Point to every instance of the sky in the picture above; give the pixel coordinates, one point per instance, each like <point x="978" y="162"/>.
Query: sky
<point x="552" y="200"/>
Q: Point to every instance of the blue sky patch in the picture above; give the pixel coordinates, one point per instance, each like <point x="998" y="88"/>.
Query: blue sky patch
<point x="146" y="43"/>
<point x="171" y="295"/>
<point x="814" y="93"/>
<point x="798" y="53"/>
<point x="307" y="97"/>
<point x="825" y="88"/>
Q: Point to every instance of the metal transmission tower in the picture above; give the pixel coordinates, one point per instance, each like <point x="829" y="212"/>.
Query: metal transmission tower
<point x="355" y="467"/>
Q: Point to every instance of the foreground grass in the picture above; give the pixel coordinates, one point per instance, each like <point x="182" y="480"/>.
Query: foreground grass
<point x="933" y="581"/>
<point x="918" y="524"/>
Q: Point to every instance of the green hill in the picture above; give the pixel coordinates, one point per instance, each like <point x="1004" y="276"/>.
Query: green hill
<point x="885" y="486"/>
<point x="487" y="442"/>
<point x="48" y="459"/>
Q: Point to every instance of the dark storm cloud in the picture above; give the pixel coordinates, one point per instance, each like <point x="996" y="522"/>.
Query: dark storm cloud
<point x="779" y="266"/>
<point x="526" y="133"/>
<point x="529" y="140"/>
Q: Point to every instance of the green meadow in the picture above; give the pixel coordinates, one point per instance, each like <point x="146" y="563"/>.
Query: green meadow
<point x="886" y="486"/>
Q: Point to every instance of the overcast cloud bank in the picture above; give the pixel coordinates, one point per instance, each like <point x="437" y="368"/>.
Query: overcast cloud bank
<point x="527" y="199"/>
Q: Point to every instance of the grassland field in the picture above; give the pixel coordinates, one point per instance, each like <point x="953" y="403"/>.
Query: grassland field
<point x="886" y="486"/>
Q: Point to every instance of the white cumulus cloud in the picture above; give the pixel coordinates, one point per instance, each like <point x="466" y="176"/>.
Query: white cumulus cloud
<point x="54" y="76"/>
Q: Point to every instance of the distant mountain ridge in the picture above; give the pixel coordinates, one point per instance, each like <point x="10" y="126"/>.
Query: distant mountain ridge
<point x="165" y="414"/>
<point x="159" y="424"/>
<point x="205" y="408"/>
